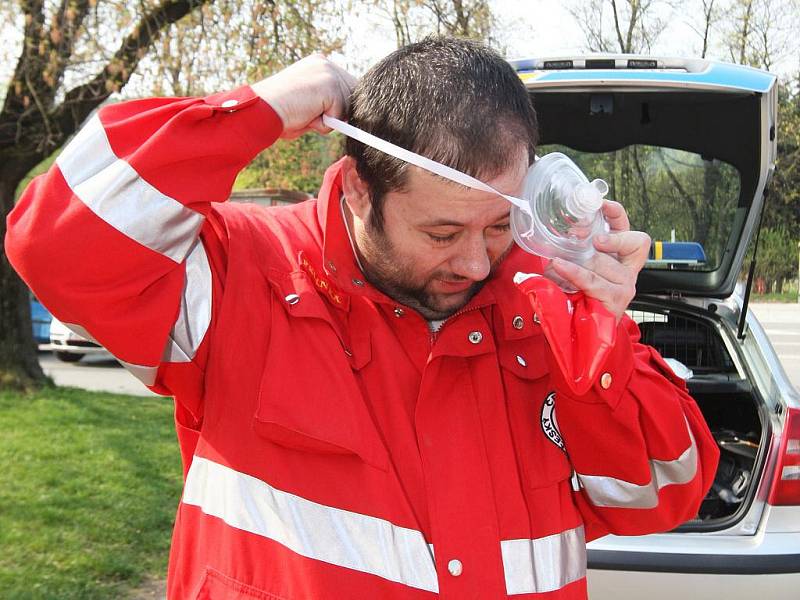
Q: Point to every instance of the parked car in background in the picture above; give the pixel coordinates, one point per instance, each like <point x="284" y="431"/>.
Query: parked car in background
<point x="688" y="146"/>
<point x="41" y="318"/>
<point x="70" y="346"/>
<point x="270" y="196"/>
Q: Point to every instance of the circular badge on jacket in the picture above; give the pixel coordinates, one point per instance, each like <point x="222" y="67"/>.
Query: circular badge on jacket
<point x="549" y="423"/>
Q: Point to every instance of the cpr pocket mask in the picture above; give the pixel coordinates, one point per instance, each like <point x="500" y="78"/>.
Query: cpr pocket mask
<point x="579" y="329"/>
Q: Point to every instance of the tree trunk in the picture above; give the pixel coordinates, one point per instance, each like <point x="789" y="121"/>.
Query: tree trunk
<point x="33" y="126"/>
<point x="19" y="365"/>
<point x="712" y="234"/>
<point x="644" y="194"/>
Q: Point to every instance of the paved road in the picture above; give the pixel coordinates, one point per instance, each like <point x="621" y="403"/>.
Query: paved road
<point x="782" y="325"/>
<point x="98" y="373"/>
<point x="781" y="322"/>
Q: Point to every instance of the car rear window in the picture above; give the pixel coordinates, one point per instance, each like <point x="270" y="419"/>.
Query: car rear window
<point x="687" y="204"/>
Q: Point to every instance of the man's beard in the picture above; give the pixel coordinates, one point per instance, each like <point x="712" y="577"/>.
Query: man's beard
<point x="394" y="277"/>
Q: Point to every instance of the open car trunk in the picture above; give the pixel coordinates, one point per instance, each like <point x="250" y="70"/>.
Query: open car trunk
<point x="728" y="401"/>
<point x="688" y="148"/>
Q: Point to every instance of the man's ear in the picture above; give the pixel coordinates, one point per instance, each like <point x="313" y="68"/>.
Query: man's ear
<point x="356" y="191"/>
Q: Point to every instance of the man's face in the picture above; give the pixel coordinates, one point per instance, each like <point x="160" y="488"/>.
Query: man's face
<point x="440" y="241"/>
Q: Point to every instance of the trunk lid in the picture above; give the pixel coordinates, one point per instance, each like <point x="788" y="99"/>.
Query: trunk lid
<point x="688" y="146"/>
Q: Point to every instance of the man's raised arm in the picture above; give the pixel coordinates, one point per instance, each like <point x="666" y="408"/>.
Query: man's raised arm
<point x="117" y="239"/>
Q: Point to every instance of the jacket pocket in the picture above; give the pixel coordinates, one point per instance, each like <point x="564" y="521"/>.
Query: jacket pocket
<point x="217" y="586"/>
<point x="531" y="404"/>
<point x="309" y="398"/>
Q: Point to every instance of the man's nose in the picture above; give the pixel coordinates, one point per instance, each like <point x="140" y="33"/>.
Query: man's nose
<point x="472" y="260"/>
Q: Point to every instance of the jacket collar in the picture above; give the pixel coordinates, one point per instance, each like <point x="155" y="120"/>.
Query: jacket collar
<point x="511" y="302"/>
<point x="338" y="257"/>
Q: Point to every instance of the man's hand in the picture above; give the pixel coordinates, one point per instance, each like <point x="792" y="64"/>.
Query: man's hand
<point x="306" y="90"/>
<point x="610" y="276"/>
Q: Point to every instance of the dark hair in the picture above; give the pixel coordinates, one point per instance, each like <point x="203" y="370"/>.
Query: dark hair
<point x="452" y="100"/>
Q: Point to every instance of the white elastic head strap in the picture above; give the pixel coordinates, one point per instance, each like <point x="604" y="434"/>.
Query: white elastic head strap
<point x="418" y="161"/>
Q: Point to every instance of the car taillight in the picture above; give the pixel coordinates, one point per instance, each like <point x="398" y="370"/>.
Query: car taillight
<point x="786" y="486"/>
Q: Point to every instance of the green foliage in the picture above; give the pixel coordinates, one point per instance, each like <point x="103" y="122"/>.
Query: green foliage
<point x="414" y="19"/>
<point x="42" y="167"/>
<point x="776" y="291"/>
<point x="226" y="43"/>
<point x="88" y="492"/>
<point x="781" y="297"/>
<point x="666" y="191"/>
<point x="776" y="250"/>
<point x="297" y="164"/>
<point x="783" y="206"/>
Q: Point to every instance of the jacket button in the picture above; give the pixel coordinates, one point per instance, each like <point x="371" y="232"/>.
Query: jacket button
<point x="605" y="381"/>
<point x="517" y="322"/>
<point x="455" y="567"/>
<point x="292" y="298"/>
<point x="358" y="282"/>
<point x="475" y="337"/>
<point x="398" y="312"/>
<point x="521" y="361"/>
<point x="331" y="266"/>
<point x="536" y="318"/>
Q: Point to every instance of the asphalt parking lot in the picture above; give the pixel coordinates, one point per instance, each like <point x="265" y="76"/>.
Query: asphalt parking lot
<point x="100" y="373"/>
<point x="781" y="322"/>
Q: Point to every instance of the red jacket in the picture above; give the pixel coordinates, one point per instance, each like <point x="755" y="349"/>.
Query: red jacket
<point x="334" y="447"/>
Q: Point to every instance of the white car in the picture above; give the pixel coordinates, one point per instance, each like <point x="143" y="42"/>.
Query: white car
<point x="688" y="146"/>
<point x="71" y="346"/>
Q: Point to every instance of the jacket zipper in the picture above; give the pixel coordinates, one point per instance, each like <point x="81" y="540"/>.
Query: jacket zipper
<point x="435" y="334"/>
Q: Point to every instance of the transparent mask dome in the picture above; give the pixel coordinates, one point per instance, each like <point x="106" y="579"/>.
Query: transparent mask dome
<point x="564" y="210"/>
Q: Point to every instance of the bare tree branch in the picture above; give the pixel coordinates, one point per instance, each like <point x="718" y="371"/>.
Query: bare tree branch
<point x="630" y="28"/>
<point x="708" y="17"/>
<point x="617" y="26"/>
<point x="80" y="101"/>
<point x="589" y="17"/>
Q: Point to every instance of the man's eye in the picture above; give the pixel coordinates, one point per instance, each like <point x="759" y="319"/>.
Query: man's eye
<point x="505" y="227"/>
<point x="442" y="239"/>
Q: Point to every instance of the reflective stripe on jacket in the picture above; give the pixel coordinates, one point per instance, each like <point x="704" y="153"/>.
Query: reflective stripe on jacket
<point x="333" y="447"/>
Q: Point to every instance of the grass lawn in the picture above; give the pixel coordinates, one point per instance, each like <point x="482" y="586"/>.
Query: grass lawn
<point x="89" y="486"/>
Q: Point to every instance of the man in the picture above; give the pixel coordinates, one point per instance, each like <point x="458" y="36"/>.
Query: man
<point x="365" y="401"/>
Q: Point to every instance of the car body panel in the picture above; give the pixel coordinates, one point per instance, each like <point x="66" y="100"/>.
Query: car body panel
<point x="41" y="319"/>
<point x="64" y="340"/>
<point x="783" y="519"/>
<point x="697" y="546"/>
<point x="627" y="585"/>
<point x="672" y="73"/>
